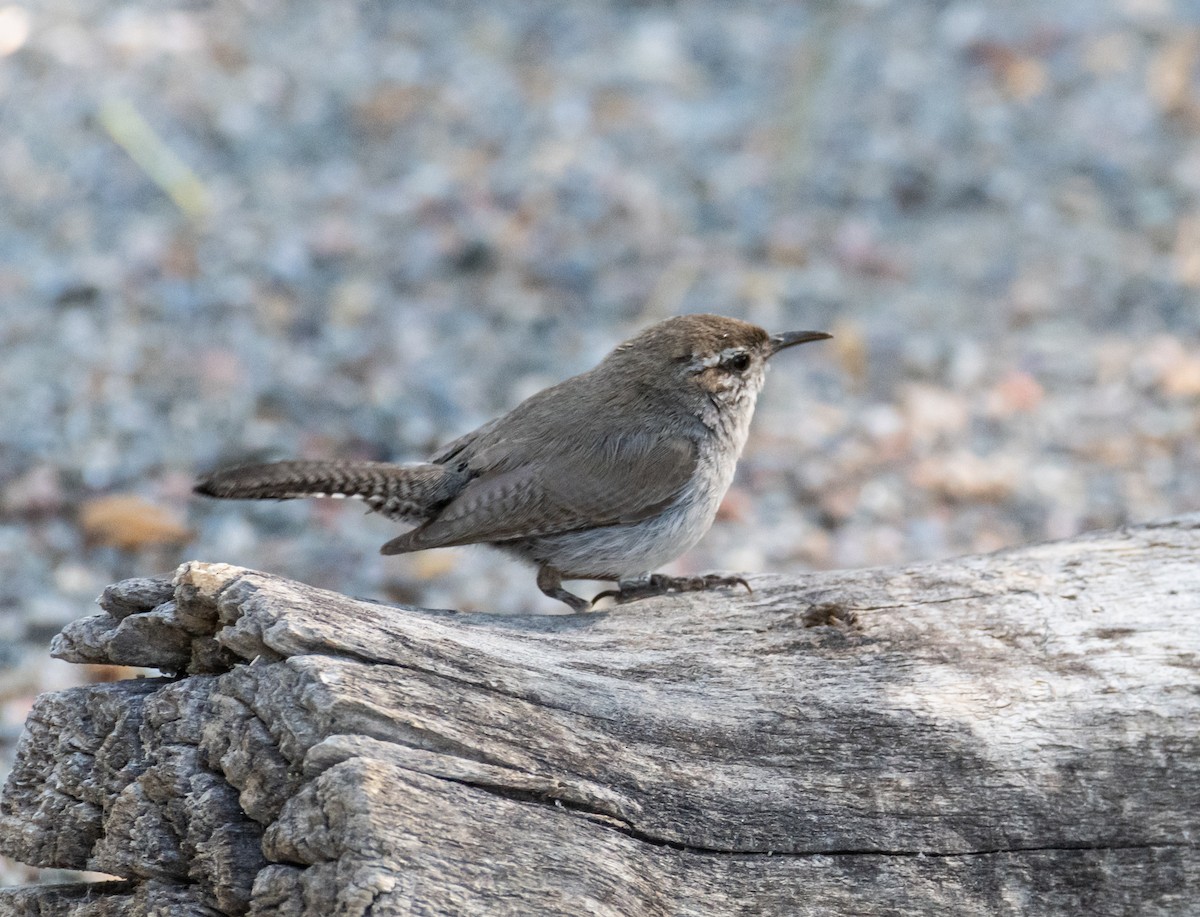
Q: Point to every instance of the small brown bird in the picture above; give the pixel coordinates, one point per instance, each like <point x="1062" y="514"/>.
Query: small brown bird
<point x="605" y="476"/>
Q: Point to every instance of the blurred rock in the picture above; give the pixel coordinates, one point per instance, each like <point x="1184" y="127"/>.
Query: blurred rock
<point x="1017" y="393"/>
<point x="966" y="477"/>
<point x="850" y="348"/>
<point x="933" y="414"/>
<point x="130" y="523"/>
<point x="36" y="492"/>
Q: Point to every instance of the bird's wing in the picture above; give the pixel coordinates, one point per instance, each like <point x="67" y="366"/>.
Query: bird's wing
<point x="625" y="479"/>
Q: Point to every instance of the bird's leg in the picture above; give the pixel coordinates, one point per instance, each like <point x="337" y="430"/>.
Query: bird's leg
<point x="549" y="581"/>
<point x="660" y="584"/>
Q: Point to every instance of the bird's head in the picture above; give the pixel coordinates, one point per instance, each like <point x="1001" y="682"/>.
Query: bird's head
<point x="723" y="359"/>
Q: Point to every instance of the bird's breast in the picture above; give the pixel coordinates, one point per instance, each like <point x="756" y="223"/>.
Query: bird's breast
<point x="627" y="549"/>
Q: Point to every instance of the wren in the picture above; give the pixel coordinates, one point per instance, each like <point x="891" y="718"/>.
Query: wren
<point x="606" y="476"/>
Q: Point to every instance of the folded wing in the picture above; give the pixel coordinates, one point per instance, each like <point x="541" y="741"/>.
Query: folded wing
<point x="621" y="480"/>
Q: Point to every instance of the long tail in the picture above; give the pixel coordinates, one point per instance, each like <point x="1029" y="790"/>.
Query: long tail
<point x="406" y="492"/>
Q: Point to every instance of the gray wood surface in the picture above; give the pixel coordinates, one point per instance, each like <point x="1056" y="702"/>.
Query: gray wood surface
<point x="1017" y="733"/>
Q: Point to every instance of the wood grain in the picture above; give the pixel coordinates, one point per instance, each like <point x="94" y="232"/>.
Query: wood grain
<point x="1014" y="733"/>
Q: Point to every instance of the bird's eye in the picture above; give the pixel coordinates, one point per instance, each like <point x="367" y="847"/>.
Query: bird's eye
<point x="738" y="363"/>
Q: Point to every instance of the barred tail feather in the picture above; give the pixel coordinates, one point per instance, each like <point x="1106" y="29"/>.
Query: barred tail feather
<point x="407" y="492"/>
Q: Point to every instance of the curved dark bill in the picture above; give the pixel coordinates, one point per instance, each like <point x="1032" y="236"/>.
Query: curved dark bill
<point x="792" y="338"/>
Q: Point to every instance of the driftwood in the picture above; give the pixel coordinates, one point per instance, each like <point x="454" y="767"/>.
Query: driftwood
<point x="1017" y="733"/>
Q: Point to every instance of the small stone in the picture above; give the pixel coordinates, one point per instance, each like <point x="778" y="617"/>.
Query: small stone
<point x="933" y="413"/>
<point x="38" y="491"/>
<point x="1016" y="393"/>
<point x="967" y="477"/>
<point x="130" y="523"/>
<point x="850" y="350"/>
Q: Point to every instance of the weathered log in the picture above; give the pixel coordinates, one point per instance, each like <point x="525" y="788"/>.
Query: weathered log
<point x="1017" y="733"/>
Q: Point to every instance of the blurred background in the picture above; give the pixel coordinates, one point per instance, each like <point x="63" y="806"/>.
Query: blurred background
<point x="262" y="229"/>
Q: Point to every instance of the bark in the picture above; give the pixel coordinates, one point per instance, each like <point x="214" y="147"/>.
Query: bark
<point x="1013" y="733"/>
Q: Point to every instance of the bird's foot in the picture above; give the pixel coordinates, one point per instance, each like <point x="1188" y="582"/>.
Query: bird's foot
<point x="549" y="581"/>
<point x="660" y="584"/>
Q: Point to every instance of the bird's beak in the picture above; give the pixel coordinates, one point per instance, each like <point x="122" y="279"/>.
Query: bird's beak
<point x="791" y="338"/>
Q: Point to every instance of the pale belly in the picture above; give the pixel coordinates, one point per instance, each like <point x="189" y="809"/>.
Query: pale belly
<point x="624" y="551"/>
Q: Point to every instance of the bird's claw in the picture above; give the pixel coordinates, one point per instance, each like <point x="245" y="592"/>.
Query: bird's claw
<point x="659" y="584"/>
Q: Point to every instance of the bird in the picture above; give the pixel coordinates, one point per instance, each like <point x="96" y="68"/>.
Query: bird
<point x="607" y="475"/>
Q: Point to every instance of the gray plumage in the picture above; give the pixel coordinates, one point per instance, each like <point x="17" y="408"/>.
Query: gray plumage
<point x="608" y="474"/>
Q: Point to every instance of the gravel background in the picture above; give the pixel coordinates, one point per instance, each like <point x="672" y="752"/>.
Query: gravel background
<point x="271" y="229"/>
